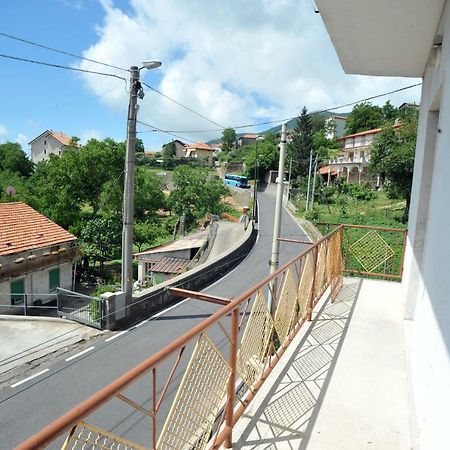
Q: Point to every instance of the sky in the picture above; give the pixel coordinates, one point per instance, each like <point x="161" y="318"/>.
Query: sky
<point x="234" y="62"/>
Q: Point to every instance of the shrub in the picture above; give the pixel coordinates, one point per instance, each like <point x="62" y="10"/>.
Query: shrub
<point x="312" y="215"/>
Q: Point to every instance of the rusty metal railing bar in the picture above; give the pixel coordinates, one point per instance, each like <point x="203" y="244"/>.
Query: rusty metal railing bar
<point x="367" y="227"/>
<point x="91" y="404"/>
<point x="373" y="274"/>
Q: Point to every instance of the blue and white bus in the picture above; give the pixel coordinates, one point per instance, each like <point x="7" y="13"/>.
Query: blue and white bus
<point x="236" y="180"/>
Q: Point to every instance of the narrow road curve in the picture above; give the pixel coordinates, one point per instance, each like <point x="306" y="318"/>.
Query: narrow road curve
<point x="29" y="406"/>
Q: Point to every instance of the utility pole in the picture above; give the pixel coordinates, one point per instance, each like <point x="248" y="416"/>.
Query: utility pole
<point x="128" y="192"/>
<point x="309" y="180"/>
<point x="314" y="183"/>
<point x="289" y="182"/>
<point x="278" y="208"/>
<point x="256" y="176"/>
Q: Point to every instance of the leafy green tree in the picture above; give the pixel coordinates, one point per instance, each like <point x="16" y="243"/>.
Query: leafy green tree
<point x="194" y="194"/>
<point x="301" y="144"/>
<point x="14" y="159"/>
<point x="146" y="233"/>
<point x="139" y="147"/>
<point x="390" y="112"/>
<point x="101" y="238"/>
<point x="392" y="157"/>
<point x="228" y="139"/>
<point x="364" y="116"/>
<point x="13" y="179"/>
<point x="268" y="156"/>
<point x="169" y="152"/>
<point x="324" y="147"/>
<point x="148" y="193"/>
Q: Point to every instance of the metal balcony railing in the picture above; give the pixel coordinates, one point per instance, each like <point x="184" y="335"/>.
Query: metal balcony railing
<point x="201" y="383"/>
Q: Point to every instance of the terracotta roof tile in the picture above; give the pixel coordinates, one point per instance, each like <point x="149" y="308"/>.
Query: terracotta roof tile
<point x="363" y="133"/>
<point x="200" y="146"/>
<point x="22" y="228"/>
<point x="170" y="265"/>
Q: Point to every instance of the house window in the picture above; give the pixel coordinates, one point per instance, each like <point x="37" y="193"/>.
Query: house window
<point x="45" y="142"/>
<point x="53" y="278"/>
<point x="45" y="151"/>
<point x="17" y="291"/>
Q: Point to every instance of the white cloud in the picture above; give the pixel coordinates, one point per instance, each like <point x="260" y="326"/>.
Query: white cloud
<point x="3" y="130"/>
<point x="85" y="135"/>
<point x="23" y="140"/>
<point x="235" y="62"/>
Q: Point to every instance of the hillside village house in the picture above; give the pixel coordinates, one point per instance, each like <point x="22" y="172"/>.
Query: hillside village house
<point x="48" y="143"/>
<point x="200" y="150"/>
<point x="246" y="139"/>
<point x="411" y="38"/>
<point x="36" y="257"/>
<point x="352" y="162"/>
<point x="180" y="148"/>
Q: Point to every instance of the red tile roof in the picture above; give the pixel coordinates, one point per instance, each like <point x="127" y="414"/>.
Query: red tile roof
<point x="22" y="228"/>
<point x="200" y="146"/>
<point x="250" y="136"/>
<point x="363" y="133"/>
<point x="58" y="135"/>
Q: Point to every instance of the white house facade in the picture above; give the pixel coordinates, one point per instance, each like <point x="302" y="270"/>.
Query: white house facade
<point x="48" y="143"/>
<point x="36" y="257"/>
<point x="412" y="38"/>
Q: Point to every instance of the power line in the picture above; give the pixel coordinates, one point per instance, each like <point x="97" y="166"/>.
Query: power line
<point x="183" y="106"/>
<point x="156" y="129"/>
<point x="58" y="66"/>
<point x="61" y="51"/>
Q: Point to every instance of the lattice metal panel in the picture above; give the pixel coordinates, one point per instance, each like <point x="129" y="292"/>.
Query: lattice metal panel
<point x="198" y="400"/>
<point x="306" y="284"/>
<point x="320" y="270"/>
<point x="85" y="436"/>
<point x="371" y="251"/>
<point x="255" y="341"/>
<point x="284" y="313"/>
<point x="334" y="263"/>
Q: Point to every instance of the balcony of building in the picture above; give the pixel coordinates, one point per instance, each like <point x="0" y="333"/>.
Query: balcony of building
<point x="307" y="358"/>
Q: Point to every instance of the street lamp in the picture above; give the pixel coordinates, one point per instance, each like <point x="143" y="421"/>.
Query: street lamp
<point x="128" y="190"/>
<point x="256" y="175"/>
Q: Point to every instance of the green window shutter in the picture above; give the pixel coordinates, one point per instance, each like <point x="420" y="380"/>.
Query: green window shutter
<point x="53" y="276"/>
<point x="17" y="291"/>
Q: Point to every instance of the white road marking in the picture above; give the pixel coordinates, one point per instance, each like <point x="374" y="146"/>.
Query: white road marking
<point x="116" y="336"/>
<point x="141" y="323"/>
<point x="29" y="378"/>
<point x="80" y="353"/>
<point x="169" y="308"/>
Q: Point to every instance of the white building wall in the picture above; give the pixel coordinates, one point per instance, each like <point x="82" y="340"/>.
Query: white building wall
<point x="427" y="262"/>
<point x="37" y="286"/>
<point x="43" y="147"/>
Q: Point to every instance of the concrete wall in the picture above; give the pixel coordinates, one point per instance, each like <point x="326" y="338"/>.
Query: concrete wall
<point x="152" y="300"/>
<point x="427" y="263"/>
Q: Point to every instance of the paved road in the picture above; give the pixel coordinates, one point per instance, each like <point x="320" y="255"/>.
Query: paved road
<point x="31" y="405"/>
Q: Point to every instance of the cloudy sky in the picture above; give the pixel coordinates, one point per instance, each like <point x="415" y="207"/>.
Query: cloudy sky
<point x="235" y="62"/>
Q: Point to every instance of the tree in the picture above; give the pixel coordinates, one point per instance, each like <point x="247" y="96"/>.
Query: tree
<point x="301" y="144"/>
<point x="139" y="147"/>
<point x="169" y="152"/>
<point x="194" y="194"/>
<point x="228" y="139"/>
<point x="323" y="147"/>
<point x="14" y="159"/>
<point x="146" y="233"/>
<point x="392" y="157"/>
<point x="101" y="238"/>
<point x="364" y="116"/>
<point x="268" y="156"/>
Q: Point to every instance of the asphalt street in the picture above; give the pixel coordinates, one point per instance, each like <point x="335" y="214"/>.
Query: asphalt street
<point x="60" y="385"/>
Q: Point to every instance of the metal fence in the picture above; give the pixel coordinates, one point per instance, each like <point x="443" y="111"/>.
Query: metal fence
<point x="80" y="308"/>
<point x="193" y="399"/>
<point x="370" y="251"/>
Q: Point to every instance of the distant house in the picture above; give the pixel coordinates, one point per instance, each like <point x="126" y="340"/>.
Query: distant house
<point x="180" y="148"/>
<point x="166" y="261"/>
<point x="48" y="143"/>
<point x="200" y="150"/>
<point x="353" y="159"/>
<point x="36" y="257"/>
<point x="337" y="125"/>
<point x="246" y="139"/>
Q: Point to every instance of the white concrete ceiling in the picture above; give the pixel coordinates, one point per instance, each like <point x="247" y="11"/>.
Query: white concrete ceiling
<point x="382" y="37"/>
